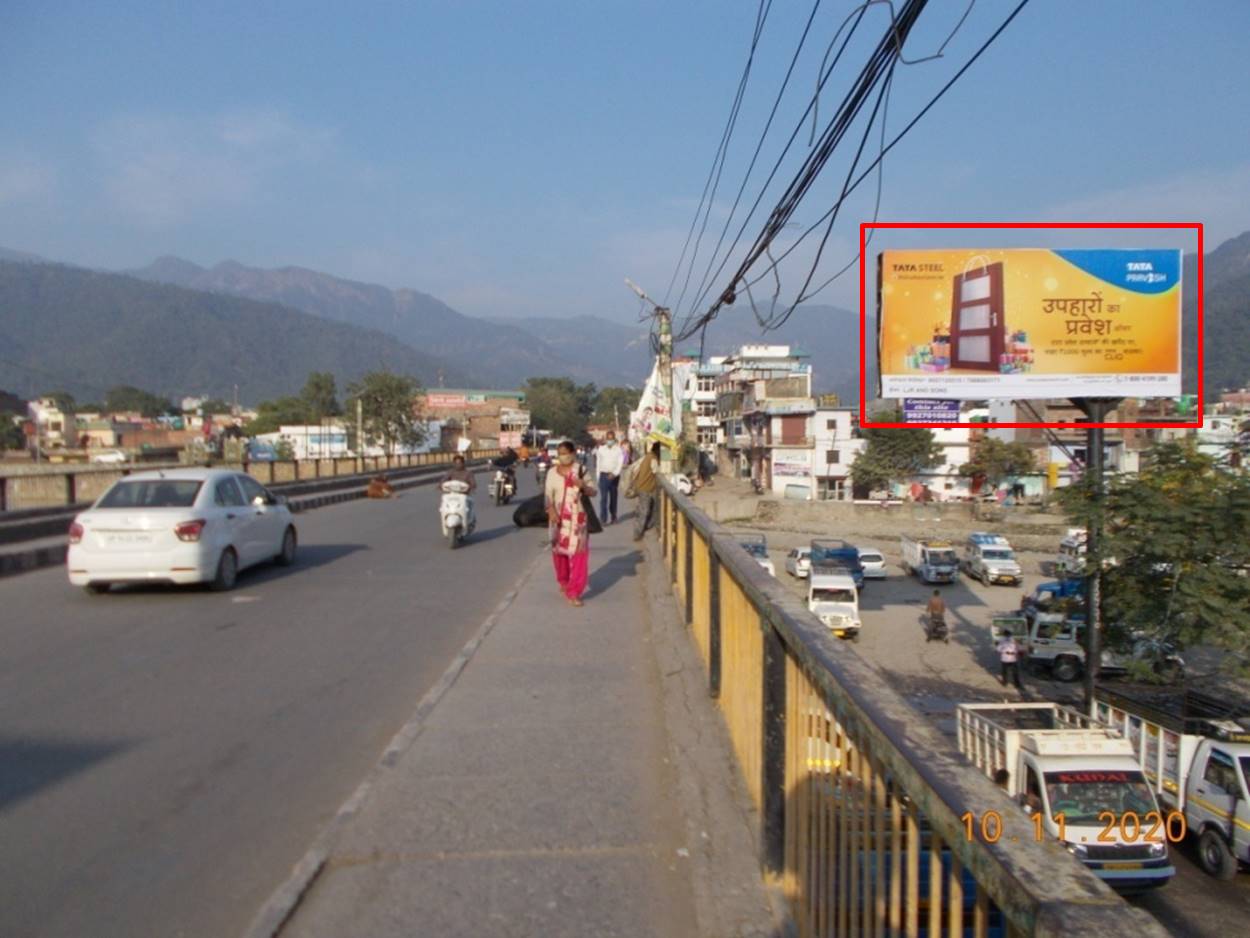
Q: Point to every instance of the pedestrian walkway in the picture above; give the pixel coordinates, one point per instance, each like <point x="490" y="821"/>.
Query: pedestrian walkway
<point x="540" y="796"/>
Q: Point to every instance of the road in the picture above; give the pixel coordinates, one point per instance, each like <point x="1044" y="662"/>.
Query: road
<point x="168" y="755"/>
<point x="935" y="677"/>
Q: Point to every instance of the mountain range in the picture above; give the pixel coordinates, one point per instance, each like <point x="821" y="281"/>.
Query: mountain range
<point x="368" y="325"/>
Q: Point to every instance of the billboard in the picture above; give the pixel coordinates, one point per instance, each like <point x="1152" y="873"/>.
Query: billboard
<point x="1022" y="323"/>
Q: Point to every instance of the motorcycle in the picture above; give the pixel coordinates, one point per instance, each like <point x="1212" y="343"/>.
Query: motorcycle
<point x="541" y="465"/>
<point x="455" y="511"/>
<point x="503" y="486"/>
<point x="935" y="628"/>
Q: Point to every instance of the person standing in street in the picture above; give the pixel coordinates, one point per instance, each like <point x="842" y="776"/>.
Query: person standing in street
<point x="646" y="485"/>
<point x="609" y="461"/>
<point x="567" y="520"/>
<point x="1009" y="659"/>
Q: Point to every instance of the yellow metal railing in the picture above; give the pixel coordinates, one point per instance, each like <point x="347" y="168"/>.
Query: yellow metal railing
<point x="860" y="802"/>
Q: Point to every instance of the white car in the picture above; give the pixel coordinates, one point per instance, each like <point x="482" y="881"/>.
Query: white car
<point x="799" y="562"/>
<point x="110" y="456"/>
<point x="179" y="526"/>
<point x="873" y="562"/>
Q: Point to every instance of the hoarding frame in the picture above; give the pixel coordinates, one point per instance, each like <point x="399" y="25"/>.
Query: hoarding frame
<point x="863" y="322"/>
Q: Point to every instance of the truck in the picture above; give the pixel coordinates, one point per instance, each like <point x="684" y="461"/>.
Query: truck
<point x="934" y="561"/>
<point x="1070" y="775"/>
<point x="837" y="557"/>
<point x="833" y="598"/>
<point x="1055" y="642"/>
<point x="1194" y="749"/>
<point x="990" y="559"/>
<point x="1070" y="561"/>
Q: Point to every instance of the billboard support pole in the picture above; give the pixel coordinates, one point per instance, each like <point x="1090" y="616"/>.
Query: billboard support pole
<point x="1096" y="410"/>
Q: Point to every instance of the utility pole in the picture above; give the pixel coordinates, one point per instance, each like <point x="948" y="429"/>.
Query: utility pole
<point x="360" y="432"/>
<point x="1096" y="409"/>
<point x="664" y="320"/>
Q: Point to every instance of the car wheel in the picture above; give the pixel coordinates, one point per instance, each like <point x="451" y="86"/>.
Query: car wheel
<point x="286" y="556"/>
<point x="1067" y="669"/>
<point x="1215" y="856"/>
<point x="97" y="589"/>
<point x="227" y="572"/>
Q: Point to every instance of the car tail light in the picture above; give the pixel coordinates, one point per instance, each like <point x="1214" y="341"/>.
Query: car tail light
<point x="190" y="530"/>
<point x="75" y="533"/>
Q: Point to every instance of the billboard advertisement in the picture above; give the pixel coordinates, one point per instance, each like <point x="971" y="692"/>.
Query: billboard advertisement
<point x="1021" y="323"/>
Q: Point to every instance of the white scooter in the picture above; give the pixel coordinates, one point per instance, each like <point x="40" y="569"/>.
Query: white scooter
<point x="455" y="511"/>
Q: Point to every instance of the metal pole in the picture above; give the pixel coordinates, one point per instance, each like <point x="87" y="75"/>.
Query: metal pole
<point x="1096" y="409"/>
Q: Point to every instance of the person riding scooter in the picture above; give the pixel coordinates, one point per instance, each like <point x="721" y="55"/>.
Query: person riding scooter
<point x="935" y="627"/>
<point x="459" y="473"/>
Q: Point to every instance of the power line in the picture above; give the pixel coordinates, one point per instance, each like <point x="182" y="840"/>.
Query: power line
<point x="761" y="16"/>
<point x="886" y="149"/>
<point x="880" y="62"/>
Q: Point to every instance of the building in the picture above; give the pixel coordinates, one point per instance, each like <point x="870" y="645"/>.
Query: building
<point x="54" y="427"/>
<point x="837" y="443"/>
<point x="699" y="399"/>
<point x="315" y="441"/>
<point x="486" y="419"/>
<point x="765" y="407"/>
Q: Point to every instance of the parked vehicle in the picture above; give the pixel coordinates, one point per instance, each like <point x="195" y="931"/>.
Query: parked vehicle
<point x="1056" y="642"/>
<point x="455" y="512"/>
<point x="873" y="562"/>
<point x="799" y="562"/>
<point x="114" y="456"/>
<point x="1070" y="774"/>
<point x="830" y="556"/>
<point x="179" y="526"/>
<point x="1055" y="595"/>
<point x="833" y="598"/>
<point x="1194" y="750"/>
<point x="934" y="561"/>
<point x="990" y="559"/>
<point x="757" y="546"/>
<point x="1070" y="560"/>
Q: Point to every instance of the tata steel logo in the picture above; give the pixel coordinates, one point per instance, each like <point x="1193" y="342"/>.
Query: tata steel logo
<point x="916" y="268"/>
<point x="1143" y="272"/>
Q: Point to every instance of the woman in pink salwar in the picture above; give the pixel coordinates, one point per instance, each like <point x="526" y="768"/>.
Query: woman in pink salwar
<point x="566" y="518"/>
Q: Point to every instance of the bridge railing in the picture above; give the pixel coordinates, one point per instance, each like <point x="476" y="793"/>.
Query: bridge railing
<point x="65" y="485"/>
<point x="871" y="821"/>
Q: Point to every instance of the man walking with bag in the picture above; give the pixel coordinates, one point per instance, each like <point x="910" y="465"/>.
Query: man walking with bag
<point x="644" y="485"/>
<point x="609" y="460"/>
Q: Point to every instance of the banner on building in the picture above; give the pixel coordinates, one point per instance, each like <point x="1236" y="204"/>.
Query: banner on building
<point x="1022" y="323"/>
<point x="797" y="465"/>
<point x="930" y="410"/>
<point x="436" y="399"/>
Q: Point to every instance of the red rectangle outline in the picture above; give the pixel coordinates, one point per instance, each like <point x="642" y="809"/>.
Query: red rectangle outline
<point x="863" y="323"/>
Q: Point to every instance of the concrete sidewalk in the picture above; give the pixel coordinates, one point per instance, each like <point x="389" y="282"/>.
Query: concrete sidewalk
<point x="562" y="784"/>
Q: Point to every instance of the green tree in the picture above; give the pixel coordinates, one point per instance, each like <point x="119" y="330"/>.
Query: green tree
<point x="1176" y="546"/>
<point x="11" y="436"/>
<point x="285" y="411"/>
<point x="559" y="405"/>
<point x="321" y="395"/>
<point x="389" y="409"/>
<point x="614" y="404"/>
<point x="215" y="405"/>
<point x="893" y="454"/>
<point x="994" y="460"/>
<point x="124" y="397"/>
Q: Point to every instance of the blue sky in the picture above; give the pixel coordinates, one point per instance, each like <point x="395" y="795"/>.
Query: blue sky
<point x="522" y="158"/>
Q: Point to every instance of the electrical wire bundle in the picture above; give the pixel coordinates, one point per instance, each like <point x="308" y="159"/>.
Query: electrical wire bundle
<point x="870" y="89"/>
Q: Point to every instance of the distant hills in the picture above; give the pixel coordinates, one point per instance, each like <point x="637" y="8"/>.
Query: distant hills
<point x="503" y="354"/>
<point x="82" y="331"/>
<point x="175" y="326"/>
<point x="1226" y="318"/>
